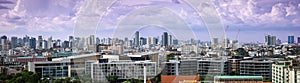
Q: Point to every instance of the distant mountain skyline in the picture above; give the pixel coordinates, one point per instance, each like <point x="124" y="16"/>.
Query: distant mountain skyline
<point x="57" y="18"/>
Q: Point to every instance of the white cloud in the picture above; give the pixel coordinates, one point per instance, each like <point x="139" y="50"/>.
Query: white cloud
<point x="258" y="13"/>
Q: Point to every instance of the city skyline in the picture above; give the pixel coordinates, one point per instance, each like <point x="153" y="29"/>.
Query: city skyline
<point x="57" y="18"/>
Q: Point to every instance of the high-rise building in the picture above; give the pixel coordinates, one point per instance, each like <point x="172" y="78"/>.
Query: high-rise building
<point x="32" y="43"/>
<point x="143" y="41"/>
<point x="3" y="42"/>
<point x="273" y="38"/>
<point x="71" y="41"/>
<point x="39" y="42"/>
<point x="170" y="40"/>
<point x="45" y="44"/>
<point x="270" y="40"/>
<point x="14" y="42"/>
<point x="291" y="40"/>
<point x="165" y="39"/>
<point x="136" y="39"/>
<point x="50" y="43"/>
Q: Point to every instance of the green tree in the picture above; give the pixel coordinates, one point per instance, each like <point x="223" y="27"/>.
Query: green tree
<point x="241" y="51"/>
<point x="112" y="79"/>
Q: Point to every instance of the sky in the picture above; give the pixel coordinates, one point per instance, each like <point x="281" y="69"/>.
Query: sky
<point x="58" y="18"/>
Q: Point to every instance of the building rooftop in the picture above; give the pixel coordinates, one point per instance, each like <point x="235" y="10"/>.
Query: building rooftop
<point x="239" y="77"/>
<point x="25" y="57"/>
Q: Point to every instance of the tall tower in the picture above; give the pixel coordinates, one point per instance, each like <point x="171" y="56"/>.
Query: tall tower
<point x="291" y="40"/>
<point x="14" y="42"/>
<point x="39" y="42"/>
<point x="137" y="39"/>
<point x="165" y="39"/>
<point x="3" y="42"/>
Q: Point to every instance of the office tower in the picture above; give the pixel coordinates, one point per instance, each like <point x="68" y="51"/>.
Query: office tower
<point x="50" y="43"/>
<point x="273" y="42"/>
<point x="136" y="39"/>
<point x="20" y="42"/>
<point x="165" y="39"/>
<point x="170" y="40"/>
<point x="3" y="42"/>
<point x="291" y="40"/>
<point x="270" y="40"/>
<point x="267" y="40"/>
<point x="92" y="40"/>
<point x="14" y="42"/>
<point x="45" y="44"/>
<point x="32" y="43"/>
<point x="39" y="42"/>
<point x="71" y="41"/>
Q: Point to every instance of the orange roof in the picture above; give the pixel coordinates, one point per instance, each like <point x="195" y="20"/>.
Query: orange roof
<point x="176" y="79"/>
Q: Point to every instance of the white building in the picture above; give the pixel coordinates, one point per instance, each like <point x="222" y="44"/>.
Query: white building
<point x="285" y="72"/>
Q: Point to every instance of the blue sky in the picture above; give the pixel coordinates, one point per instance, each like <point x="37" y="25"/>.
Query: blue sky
<point x="57" y="18"/>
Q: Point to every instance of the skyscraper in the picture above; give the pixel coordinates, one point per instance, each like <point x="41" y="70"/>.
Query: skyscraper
<point x="273" y="40"/>
<point x="170" y="40"/>
<point x="291" y="40"/>
<point x="143" y="41"/>
<point x="71" y="41"/>
<point x="136" y="39"/>
<point x="50" y="43"/>
<point x="39" y="42"/>
<point x="32" y="43"/>
<point x="165" y="39"/>
<point x="14" y="42"/>
<point x="270" y="40"/>
<point x="3" y="42"/>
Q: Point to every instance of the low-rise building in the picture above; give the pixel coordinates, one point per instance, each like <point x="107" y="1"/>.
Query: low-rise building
<point x="182" y="67"/>
<point x="123" y="69"/>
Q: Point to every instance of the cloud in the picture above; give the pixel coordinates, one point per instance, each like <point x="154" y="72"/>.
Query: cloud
<point x="259" y="12"/>
<point x="41" y="16"/>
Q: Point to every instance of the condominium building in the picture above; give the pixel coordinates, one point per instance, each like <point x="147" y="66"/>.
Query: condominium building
<point x="123" y="69"/>
<point x="256" y="68"/>
<point x="285" y="72"/>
